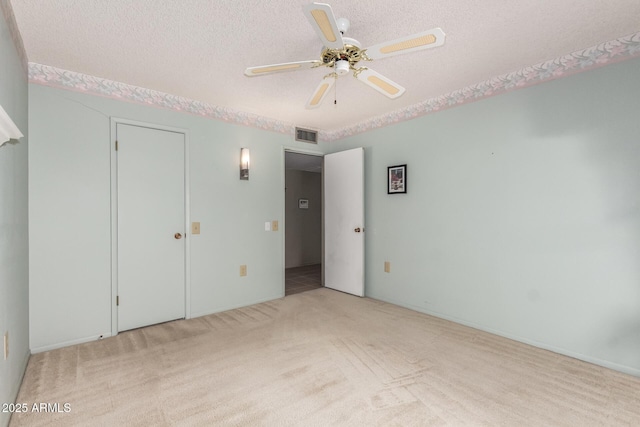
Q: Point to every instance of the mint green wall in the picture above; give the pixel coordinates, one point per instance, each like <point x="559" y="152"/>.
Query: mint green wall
<point x="14" y="271"/>
<point x="70" y="212"/>
<point x="522" y="215"/>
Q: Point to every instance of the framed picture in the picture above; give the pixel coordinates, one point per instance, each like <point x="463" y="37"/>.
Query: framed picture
<point x="303" y="203"/>
<point x="397" y="179"/>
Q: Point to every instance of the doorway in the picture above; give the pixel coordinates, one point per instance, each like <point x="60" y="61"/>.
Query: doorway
<point x="303" y="222"/>
<point x="150" y="225"/>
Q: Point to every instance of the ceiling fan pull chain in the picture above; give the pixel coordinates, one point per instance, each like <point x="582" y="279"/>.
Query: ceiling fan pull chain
<point x="335" y="93"/>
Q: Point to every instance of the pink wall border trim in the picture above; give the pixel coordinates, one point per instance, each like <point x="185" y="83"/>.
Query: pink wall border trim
<point x="587" y="59"/>
<point x="624" y="48"/>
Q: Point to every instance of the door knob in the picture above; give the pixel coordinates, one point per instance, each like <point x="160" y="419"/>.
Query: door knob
<point x="357" y="230"/>
<point x="178" y="236"/>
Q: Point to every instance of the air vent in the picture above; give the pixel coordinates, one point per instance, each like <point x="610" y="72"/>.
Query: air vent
<point x="306" y="135"/>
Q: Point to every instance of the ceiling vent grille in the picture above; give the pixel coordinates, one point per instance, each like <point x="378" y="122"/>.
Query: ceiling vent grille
<point x="306" y="135"/>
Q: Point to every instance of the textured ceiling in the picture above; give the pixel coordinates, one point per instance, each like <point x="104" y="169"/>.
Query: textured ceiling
<point x="199" y="49"/>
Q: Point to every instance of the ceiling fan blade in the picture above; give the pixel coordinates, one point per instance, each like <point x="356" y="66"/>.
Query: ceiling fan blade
<point x="324" y="23"/>
<point x="380" y="83"/>
<point x="321" y="91"/>
<point x="412" y="43"/>
<point x="279" y="68"/>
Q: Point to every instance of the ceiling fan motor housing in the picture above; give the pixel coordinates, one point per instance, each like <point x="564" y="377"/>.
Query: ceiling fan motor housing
<point x="351" y="53"/>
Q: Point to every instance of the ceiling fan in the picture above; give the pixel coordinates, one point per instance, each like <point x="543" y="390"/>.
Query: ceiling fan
<point x="343" y="54"/>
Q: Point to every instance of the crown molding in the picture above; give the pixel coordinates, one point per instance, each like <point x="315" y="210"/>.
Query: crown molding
<point x="624" y="48"/>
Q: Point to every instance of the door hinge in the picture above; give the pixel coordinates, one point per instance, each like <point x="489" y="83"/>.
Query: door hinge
<point x="116" y="145"/>
<point x="118" y="300"/>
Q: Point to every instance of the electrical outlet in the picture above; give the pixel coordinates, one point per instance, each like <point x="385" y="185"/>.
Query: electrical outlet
<point x="274" y="225"/>
<point x="6" y="345"/>
<point x="195" y="228"/>
<point x="387" y="267"/>
<point x="243" y="270"/>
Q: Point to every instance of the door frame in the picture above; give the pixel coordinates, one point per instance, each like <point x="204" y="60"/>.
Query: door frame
<point x="115" y="121"/>
<point x="298" y="150"/>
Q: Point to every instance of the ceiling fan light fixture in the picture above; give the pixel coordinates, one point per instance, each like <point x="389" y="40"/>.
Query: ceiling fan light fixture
<point x="341" y="67"/>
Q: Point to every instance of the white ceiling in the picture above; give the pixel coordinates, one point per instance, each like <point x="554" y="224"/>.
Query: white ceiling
<point x="199" y="49"/>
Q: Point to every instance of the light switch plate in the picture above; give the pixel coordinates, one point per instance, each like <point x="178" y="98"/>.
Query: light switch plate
<point x="243" y="270"/>
<point x="274" y="225"/>
<point x="267" y="226"/>
<point x="195" y="228"/>
<point x="387" y="267"/>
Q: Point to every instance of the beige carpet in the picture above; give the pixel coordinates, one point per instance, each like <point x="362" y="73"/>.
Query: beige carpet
<point x="321" y="358"/>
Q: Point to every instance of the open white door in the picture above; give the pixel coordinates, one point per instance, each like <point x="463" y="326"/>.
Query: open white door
<point x="344" y="221"/>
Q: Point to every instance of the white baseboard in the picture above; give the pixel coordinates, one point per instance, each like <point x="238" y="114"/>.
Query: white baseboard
<point x="108" y="334"/>
<point x="69" y="343"/>
<point x="586" y="358"/>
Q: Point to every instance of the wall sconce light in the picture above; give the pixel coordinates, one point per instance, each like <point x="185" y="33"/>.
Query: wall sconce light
<point x="245" y="160"/>
<point x="8" y="129"/>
